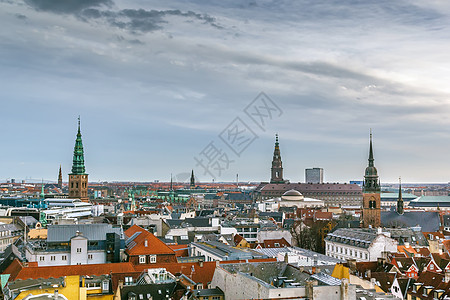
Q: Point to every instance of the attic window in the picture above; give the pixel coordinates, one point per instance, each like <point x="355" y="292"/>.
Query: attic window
<point x="142" y="259"/>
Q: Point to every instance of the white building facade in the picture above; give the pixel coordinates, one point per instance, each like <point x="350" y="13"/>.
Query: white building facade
<point x="359" y="244"/>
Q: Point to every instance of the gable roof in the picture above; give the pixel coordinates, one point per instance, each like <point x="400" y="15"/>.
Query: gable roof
<point x="59" y="271"/>
<point x="384" y="280"/>
<point x="136" y="245"/>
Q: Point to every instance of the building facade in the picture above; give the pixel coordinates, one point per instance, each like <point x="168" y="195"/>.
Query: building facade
<point x="359" y="244"/>
<point x="77" y="245"/>
<point x="333" y="194"/>
<point x="314" y="175"/>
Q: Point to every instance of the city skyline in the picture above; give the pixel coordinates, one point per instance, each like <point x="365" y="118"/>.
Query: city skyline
<point x="155" y="83"/>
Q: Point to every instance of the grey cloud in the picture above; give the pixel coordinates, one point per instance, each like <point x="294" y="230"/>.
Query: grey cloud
<point x="135" y="20"/>
<point x="66" y="6"/>
<point x="21" y="17"/>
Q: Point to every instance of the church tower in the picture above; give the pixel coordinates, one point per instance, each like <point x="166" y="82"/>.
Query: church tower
<point x="78" y="179"/>
<point x="192" y="185"/>
<point x="277" y="165"/>
<point x="60" y="178"/>
<point x="371" y="194"/>
<point x="400" y="205"/>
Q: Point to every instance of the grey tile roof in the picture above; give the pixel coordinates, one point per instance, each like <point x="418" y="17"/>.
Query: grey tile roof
<point x="94" y="232"/>
<point x="429" y="221"/>
<point x="226" y="252"/>
<point x="357" y="237"/>
<point x="326" y="279"/>
<point x="403" y="235"/>
<point x="320" y="259"/>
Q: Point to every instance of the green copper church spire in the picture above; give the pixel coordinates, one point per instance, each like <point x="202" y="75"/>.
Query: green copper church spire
<point x="78" y="154"/>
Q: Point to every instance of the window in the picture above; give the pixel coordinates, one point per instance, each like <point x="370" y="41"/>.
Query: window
<point x="152" y="259"/>
<point x="89" y="256"/>
<point x="142" y="259"/>
<point x="52" y="257"/>
<point x="78" y="250"/>
<point x="216" y="298"/>
<point x="128" y="280"/>
<point x="64" y="257"/>
<point x="277" y="244"/>
<point x="41" y="258"/>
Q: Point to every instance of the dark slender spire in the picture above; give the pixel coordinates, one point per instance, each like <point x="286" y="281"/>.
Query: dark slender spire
<point x="371" y="151"/>
<point x="60" y="177"/>
<point x="400" y="205"/>
<point x="171" y="182"/>
<point x="371" y="180"/>
<point x="277" y="164"/>
<point x="78" y="154"/>
<point x="192" y="185"/>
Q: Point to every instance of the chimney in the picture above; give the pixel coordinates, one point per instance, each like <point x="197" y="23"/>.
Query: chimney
<point x="381" y="261"/>
<point x="447" y="276"/>
<point x="309" y="289"/>
<point x="55" y="295"/>
<point x="344" y="289"/>
<point x="351" y="262"/>
<point x="146" y="243"/>
<point x="201" y="264"/>
<point x="373" y="283"/>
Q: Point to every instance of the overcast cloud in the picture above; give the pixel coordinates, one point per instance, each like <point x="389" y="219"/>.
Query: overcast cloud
<point x="156" y="81"/>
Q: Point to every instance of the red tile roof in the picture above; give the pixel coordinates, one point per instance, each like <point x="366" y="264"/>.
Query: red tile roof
<point x="58" y="271"/>
<point x="237" y="239"/>
<point x="138" y="246"/>
<point x="198" y="272"/>
<point x="180" y="250"/>
<point x="271" y="243"/>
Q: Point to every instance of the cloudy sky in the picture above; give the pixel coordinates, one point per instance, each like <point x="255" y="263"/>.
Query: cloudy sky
<point x="159" y="83"/>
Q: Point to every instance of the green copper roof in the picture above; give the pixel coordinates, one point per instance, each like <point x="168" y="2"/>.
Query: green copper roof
<point x="78" y="154"/>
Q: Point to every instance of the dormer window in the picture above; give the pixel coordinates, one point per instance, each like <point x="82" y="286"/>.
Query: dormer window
<point x="142" y="259"/>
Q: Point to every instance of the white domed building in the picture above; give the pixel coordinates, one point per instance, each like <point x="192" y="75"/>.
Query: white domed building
<point x="293" y="198"/>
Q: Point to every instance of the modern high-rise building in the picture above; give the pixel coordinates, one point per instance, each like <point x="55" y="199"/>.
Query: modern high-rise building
<point x="371" y="194"/>
<point x="78" y="179"/>
<point x="314" y="175"/>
